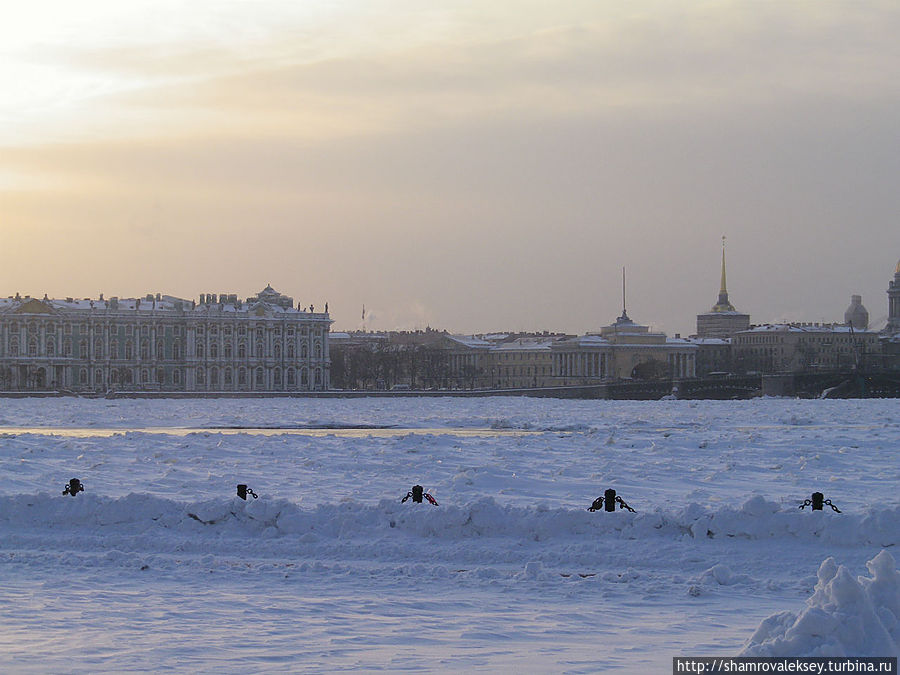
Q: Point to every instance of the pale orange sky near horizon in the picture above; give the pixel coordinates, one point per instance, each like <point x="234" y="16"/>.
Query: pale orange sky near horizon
<point x="468" y="166"/>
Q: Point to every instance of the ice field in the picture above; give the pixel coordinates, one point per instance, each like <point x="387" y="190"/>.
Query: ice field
<point x="158" y="565"/>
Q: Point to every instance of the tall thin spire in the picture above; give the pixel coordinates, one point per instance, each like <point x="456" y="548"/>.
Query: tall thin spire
<point x="723" y="289"/>
<point x="723" y="305"/>
<point x="624" y="318"/>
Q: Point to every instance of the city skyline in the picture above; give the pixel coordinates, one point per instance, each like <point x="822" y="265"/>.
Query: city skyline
<point x="214" y="298"/>
<point x="464" y="167"/>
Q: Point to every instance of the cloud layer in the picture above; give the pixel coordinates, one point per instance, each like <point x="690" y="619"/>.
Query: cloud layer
<point x="476" y="174"/>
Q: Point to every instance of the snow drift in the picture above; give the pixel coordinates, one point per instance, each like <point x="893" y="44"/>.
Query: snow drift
<point x="485" y="517"/>
<point x="844" y="616"/>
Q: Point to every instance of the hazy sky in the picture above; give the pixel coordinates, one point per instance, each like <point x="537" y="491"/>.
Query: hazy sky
<point x="467" y="165"/>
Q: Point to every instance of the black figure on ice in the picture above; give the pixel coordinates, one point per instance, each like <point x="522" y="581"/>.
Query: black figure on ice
<point x="817" y="502"/>
<point x="74" y="487"/>
<point x="417" y="493"/>
<point x="243" y="491"/>
<point x="608" y="502"/>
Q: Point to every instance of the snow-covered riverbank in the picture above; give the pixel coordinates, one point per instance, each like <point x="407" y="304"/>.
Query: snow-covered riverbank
<point x="159" y="564"/>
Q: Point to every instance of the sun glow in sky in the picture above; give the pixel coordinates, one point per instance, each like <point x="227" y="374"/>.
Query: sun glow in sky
<point x="466" y="165"/>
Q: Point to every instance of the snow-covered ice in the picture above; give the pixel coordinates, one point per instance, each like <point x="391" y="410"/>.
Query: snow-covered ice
<point x="158" y="565"/>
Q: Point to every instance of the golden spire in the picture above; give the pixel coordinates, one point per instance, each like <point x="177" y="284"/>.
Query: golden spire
<point x="723" y="305"/>
<point x="723" y="288"/>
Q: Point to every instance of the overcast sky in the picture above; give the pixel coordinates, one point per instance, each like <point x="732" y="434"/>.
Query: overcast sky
<point x="467" y="165"/>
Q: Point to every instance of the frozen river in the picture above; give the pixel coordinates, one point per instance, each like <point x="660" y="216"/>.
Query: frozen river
<point x="159" y="565"/>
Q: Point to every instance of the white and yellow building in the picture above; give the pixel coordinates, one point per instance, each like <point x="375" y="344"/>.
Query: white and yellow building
<point x="163" y="344"/>
<point x="622" y="350"/>
<point x="522" y="363"/>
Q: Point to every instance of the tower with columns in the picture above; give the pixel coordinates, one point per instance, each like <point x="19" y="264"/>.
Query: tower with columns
<point x="893" y="293"/>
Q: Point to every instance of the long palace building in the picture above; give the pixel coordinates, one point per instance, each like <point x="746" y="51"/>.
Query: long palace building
<point x="163" y="344"/>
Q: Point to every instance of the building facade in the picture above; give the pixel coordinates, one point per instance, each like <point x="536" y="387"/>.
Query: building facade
<point x="522" y="363"/>
<point x="805" y="347"/>
<point x="163" y="344"/>
<point x="622" y="350"/>
<point x="713" y="356"/>
<point x="467" y="361"/>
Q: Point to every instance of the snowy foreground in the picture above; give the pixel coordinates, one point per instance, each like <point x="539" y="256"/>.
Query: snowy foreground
<point x="159" y="566"/>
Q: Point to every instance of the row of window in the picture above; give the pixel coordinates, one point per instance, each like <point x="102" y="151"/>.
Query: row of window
<point x="521" y="356"/>
<point x="176" y="352"/>
<point x="507" y="371"/>
<point x="819" y="339"/>
<point x="33" y="327"/>
<point x="760" y="339"/>
<point x="216" y="377"/>
<point x="290" y="352"/>
<point x="591" y="364"/>
<point x="83" y="329"/>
